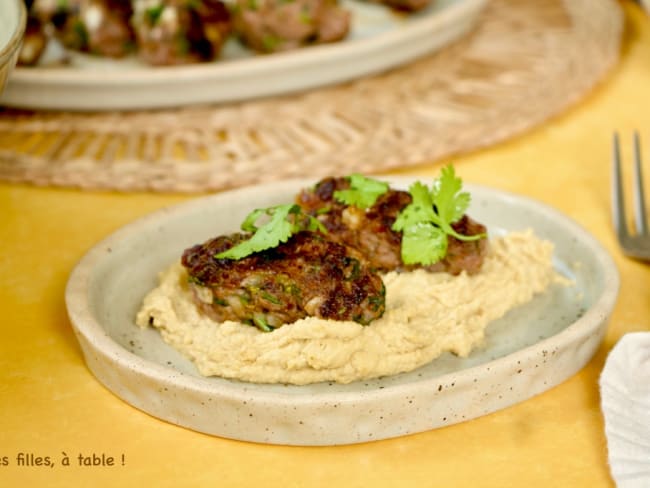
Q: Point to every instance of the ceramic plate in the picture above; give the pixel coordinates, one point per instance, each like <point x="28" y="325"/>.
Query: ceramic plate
<point x="531" y="349"/>
<point x="379" y="39"/>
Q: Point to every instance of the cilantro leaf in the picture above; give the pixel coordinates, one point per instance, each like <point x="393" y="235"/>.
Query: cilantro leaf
<point x="450" y="204"/>
<point x="419" y="210"/>
<point x="248" y="225"/>
<point x="363" y="192"/>
<point x="426" y="222"/>
<point x="423" y="244"/>
<point x="284" y="221"/>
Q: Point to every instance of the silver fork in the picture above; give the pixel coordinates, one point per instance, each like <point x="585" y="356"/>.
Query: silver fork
<point x="635" y="245"/>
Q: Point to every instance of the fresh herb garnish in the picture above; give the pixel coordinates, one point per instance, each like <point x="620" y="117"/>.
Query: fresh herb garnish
<point x="154" y="13"/>
<point x="260" y="322"/>
<point x="284" y="221"/>
<point x="305" y="16"/>
<point x="426" y="222"/>
<point x="271" y="42"/>
<point x="80" y="33"/>
<point x="363" y="191"/>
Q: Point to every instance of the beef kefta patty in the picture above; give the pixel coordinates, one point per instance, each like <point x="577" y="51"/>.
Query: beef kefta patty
<point x="308" y="275"/>
<point x="370" y="230"/>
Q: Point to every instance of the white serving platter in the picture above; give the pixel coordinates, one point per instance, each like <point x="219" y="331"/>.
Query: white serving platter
<point x="379" y="40"/>
<point x="530" y="350"/>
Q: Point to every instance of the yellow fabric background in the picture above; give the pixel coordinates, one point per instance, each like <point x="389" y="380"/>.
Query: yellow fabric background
<point x="50" y="404"/>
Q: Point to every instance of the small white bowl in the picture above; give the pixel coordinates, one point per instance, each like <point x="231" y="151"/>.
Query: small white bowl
<point x="13" y="19"/>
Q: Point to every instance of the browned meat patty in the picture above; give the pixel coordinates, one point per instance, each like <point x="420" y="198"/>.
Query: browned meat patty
<point x="34" y="42"/>
<point x="51" y="10"/>
<point x="279" y="25"/>
<point x="173" y="32"/>
<point x="98" y="27"/>
<point x="308" y="275"/>
<point x="370" y="231"/>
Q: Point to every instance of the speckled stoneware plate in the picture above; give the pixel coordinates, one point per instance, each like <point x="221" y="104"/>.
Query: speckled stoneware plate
<point x="531" y="349"/>
<point x="379" y="39"/>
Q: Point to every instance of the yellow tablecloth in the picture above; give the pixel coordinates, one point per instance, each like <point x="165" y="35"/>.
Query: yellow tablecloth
<point x="52" y="406"/>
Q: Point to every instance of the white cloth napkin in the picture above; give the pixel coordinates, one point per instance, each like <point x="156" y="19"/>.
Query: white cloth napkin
<point x="625" y="400"/>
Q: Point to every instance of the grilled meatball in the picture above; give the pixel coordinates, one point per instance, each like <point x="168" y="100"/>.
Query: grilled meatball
<point x="98" y="27"/>
<point x="34" y="42"/>
<point x="308" y="275"/>
<point x="45" y="11"/>
<point x="280" y="25"/>
<point x="172" y="32"/>
<point x="369" y="231"/>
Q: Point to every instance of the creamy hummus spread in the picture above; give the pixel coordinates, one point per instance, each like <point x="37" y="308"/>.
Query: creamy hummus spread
<point x="426" y="315"/>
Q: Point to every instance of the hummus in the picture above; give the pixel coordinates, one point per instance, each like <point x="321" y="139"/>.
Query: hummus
<point x="426" y="315"/>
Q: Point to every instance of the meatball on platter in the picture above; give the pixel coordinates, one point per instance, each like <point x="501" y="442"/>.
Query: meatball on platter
<point x="145" y="54"/>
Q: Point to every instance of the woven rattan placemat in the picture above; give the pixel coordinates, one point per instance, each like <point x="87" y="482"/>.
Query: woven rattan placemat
<point x="526" y="61"/>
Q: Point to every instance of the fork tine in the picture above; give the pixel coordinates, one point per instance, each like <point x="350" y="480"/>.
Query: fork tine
<point x="618" y="200"/>
<point x="639" y="194"/>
